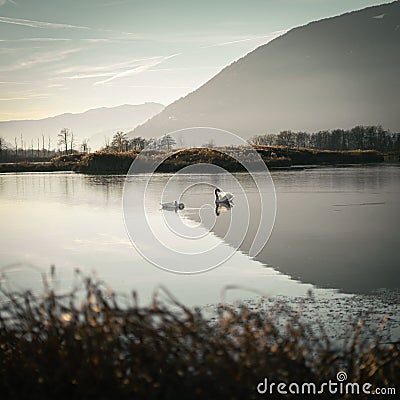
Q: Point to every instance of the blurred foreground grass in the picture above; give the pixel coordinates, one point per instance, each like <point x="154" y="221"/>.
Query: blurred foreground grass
<point x="92" y="343"/>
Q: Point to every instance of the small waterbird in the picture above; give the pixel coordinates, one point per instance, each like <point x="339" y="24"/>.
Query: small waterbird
<point x="223" y="197"/>
<point x="172" y="206"/>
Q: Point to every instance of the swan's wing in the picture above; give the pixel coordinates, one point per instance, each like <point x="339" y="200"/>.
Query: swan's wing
<point x="230" y="196"/>
<point x="225" y="196"/>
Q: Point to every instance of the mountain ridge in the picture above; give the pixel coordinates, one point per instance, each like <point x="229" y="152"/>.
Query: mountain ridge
<point x="83" y="112"/>
<point x="91" y="124"/>
<point x="327" y="71"/>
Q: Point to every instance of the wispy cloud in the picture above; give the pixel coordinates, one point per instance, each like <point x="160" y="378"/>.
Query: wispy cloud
<point x="137" y="70"/>
<point x="113" y="3"/>
<point x="39" y="24"/>
<point x="2" y="2"/>
<point x="88" y="76"/>
<point x="98" y="40"/>
<point x="158" y="87"/>
<point x="270" y="36"/>
<point x="93" y="71"/>
<point x="55" y="85"/>
<point x="39" y="58"/>
<point x="44" y="58"/>
<point x="179" y="69"/>
<point x="26" y="97"/>
<point x="38" y="39"/>
<point x="55" y="25"/>
<point x="5" y="83"/>
<point x="113" y="70"/>
<point x="8" y="50"/>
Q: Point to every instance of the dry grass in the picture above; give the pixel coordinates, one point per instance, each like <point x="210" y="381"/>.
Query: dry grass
<point x="92" y="343"/>
<point x="225" y="157"/>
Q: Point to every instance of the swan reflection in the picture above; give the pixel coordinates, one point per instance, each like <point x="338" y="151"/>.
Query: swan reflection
<point x="222" y="207"/>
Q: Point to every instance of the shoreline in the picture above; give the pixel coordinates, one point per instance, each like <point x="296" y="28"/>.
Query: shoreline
<point x="376" y="313"/>
<point x="22" y="169"/>
<point x="275" y="158"/>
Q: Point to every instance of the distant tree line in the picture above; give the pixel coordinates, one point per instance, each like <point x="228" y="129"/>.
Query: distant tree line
<point x="41" y="148"/>
<point x="121" y="142"/>
<point x="357" y="138"/>
<point x="68" y="144"/>
<point x="20" y="149"/>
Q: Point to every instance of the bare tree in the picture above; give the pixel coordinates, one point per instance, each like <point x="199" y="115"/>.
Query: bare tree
<point x="120" y="141"/>
<point x="72" y="142"/>
<point x="85" y="145"/>
<point x="210" y="144"/>
<point x="63" y="138"/>
<point x="301" y="139"/>
<point x="181" y="142"/>
<point x="167" y="142"/>
<point x="256" y="140"/>
<point x="268" y="139"/>
<point x="151" y="143"/>
<point x="2" y="146"/>
<point x="286" y="138"/>
<point x="23" y="146"/>
<point x="137" y="143"/>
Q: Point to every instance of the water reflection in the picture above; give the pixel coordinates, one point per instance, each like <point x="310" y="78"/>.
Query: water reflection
<point x="75" y="221"/>
<point x="335" y="228"/>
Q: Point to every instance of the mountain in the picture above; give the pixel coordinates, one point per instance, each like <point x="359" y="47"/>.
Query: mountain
<point x="95" y="124"/>
<point x="334" y="73"/>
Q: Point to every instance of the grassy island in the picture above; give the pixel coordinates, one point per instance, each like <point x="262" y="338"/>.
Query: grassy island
<point x="275" y="157"/>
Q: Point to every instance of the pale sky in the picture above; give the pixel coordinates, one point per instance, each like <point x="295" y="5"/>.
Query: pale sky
<point x="61" y="56"/>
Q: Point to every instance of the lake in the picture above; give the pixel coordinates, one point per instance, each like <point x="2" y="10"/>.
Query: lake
<point x="335" y="232"/>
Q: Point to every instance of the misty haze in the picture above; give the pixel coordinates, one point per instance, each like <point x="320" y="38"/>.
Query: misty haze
<point x="199" y="200"/>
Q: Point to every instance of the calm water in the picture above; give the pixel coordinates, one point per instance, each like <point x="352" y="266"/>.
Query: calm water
<point x="335" y="228"/>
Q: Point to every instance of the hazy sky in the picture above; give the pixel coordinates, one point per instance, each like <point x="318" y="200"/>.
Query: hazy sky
<point x="61" y="56"/>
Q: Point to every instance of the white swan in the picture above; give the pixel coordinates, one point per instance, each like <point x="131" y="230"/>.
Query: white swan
<point x="222" y="197"/>
<point x="172" y="206"/>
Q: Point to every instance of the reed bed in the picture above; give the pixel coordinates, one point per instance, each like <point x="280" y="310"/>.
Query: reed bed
<point x="92" y="343"/>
